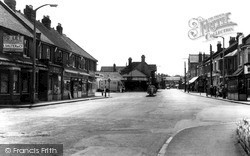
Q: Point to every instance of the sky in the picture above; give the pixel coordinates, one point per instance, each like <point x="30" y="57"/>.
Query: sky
<point x="114" y="30"/>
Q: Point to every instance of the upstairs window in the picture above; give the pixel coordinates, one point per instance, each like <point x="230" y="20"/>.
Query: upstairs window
<point x="48" y="53"/>
<point x="73" y="61"/>
<point x="26" y="48"/>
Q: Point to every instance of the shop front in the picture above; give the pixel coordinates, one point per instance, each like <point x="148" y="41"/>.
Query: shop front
<point x="237" y="86"/>
<point x="75" y="84"/>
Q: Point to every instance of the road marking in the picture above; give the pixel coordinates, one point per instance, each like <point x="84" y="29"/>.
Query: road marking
<point x="164" y="147"/>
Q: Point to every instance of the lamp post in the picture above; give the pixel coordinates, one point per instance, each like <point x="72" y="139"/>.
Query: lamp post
<point x="33" y="91"/>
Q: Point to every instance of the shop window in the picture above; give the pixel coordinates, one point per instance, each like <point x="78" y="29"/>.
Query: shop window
<point x="248" y="82"/>
<point x="50" y="84"/>
<point x="36" y="84"/>
<point x="67" y="85"/>
<point x="4" y="83"/>
<point x="57" y="84"/>
<point x="15" y="82"/>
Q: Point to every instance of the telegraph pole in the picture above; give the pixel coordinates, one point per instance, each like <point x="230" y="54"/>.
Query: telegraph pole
<point x="185" y="76"/>
<point x="211" y="65"/>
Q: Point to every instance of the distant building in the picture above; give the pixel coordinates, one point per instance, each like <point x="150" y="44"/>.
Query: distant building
<point x="172" y="81"/>
<point x="137" y="75"/>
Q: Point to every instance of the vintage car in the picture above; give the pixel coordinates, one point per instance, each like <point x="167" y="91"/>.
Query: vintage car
<point x="151" y="90"/>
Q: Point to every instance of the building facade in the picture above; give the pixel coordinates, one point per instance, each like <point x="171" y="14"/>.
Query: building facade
<point x="63" y="70"/>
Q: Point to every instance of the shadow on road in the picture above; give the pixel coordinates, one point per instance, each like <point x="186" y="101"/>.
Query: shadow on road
<point x="150" y="95"/>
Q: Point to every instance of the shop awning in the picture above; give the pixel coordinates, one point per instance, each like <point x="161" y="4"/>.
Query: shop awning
<point x="237" y="72"/>
<point x="76" y="72"/>
<point x="193" y="79"/>
<point x="232" y="53"/>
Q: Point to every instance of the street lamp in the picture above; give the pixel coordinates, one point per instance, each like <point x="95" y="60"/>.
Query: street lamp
<point x="223" y="64"/>
<point x="33" y="91"/>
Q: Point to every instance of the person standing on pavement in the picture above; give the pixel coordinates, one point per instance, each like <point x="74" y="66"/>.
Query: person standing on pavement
<point x="211" y="90"/>
<point x="105" y="91"/>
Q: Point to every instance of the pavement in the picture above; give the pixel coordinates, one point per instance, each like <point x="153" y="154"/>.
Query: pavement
<point x="211" y="140"/>
<point x="216" y="140"/>
<point x="47" y="103"/>
<point x="219" y="98"/>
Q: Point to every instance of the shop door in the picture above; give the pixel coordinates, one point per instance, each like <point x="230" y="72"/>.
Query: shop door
<point x="43" y="85"/>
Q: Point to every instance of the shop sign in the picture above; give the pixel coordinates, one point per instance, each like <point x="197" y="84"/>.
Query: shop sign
<point x="13" y="43"/>
<point x="55" y="70"/>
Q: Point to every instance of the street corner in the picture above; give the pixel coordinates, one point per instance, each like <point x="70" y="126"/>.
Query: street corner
<point x="204" y="140"/>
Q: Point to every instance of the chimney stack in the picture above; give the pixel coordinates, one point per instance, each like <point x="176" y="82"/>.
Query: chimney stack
<point x="11" y="4"/>
<point x="219" y="46"/>
<point x="200" y="57"/>
<point x="59" y="28"/>
<point x="129" y="61"/>
<point x="29" y="13"/>
<point x="114" y="68"/>
<point x="232" y="40"/>
<point x="46" y="22"/>
<point x="203" y="57"/>
<point x="142" y="58"/>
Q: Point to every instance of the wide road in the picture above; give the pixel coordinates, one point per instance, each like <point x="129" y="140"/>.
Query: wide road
<point x="127" y="124"/>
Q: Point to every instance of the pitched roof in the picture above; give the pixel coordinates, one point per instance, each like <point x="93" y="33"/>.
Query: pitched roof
<point x="111" y="75"/>
<point x="135" y="73"/>
<point x="76" y="48"/>
<point x="44" y="38"/>
<point x="8" y="20"/>
<point x="130" y="67"/>
<point x="53" y="36"/>
<point x="111" y="68"/>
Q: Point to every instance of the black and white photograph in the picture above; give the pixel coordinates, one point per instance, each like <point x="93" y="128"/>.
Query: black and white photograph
<point x="124" y="78"/>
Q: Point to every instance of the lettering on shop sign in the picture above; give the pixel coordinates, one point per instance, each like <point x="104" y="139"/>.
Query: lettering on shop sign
<point x="55" y="70"/>
<point x="215" y="26"/>
<point x="13" y="43"/>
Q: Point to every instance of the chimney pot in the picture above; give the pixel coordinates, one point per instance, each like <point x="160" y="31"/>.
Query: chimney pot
<point x="114" y="68"/>
<point x="46" y="22"/>
<point x="129" y="61"/>
<point x="143" y="58"/>
<point x="29" y="12"/>
<point x="59" y="28"/>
